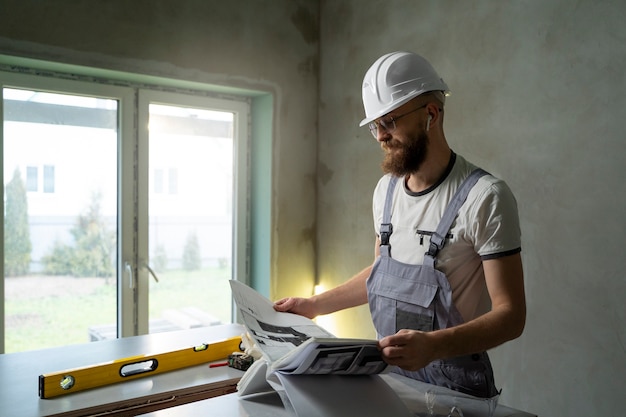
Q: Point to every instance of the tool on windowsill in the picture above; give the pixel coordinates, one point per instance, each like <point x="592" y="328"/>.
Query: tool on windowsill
<point x="78" y="379"/>
<point x="240" y="360"/>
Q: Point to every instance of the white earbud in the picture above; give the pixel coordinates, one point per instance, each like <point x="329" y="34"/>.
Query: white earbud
<point x="428" y="122"/>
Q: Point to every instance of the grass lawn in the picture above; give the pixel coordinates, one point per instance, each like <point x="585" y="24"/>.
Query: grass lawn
<point x="48" y="311"/>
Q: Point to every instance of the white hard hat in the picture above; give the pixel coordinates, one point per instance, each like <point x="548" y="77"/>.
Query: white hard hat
<point x="394" y="79"/>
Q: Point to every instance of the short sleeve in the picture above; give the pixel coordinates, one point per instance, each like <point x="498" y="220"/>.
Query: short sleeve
<point x="496" y="227"/>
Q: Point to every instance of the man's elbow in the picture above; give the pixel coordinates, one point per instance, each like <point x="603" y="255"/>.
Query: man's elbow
<point x="517" y="323"/>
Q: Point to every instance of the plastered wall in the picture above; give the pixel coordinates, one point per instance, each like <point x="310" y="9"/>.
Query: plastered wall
<point x="537" y="99"/>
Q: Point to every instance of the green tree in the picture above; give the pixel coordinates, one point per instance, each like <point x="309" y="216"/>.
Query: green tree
<point x="191" y="253"/>
<point x="17" y="244"/>
<point x="92" y="253"/>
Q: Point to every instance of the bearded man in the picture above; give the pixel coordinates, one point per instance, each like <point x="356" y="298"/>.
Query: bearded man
<point x="447" y="281"/>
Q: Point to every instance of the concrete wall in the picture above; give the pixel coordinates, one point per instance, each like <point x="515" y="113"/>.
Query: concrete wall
<point x="537" y="99"/>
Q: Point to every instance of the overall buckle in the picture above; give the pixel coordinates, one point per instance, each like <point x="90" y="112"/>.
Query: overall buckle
<point x="385" y="231"/>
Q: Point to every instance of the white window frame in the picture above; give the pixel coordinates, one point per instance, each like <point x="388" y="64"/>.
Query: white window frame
<point x="241" y="204"/>
<point x="132" y="275"/>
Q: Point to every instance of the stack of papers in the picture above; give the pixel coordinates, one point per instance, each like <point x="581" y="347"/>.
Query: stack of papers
<point x="315" y="373"/>
<point x="294" y="344"/>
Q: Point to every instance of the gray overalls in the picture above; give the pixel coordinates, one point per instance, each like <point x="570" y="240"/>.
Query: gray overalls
<point x="419" y="297"/>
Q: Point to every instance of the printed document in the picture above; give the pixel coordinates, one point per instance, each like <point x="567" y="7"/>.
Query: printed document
<point x="293" y="344"/>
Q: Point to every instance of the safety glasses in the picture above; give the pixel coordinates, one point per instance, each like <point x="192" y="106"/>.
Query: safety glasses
<point x="388" y="123"/>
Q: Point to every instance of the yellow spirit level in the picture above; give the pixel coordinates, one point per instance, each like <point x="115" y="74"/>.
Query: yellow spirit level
<point x="86" y="377"/>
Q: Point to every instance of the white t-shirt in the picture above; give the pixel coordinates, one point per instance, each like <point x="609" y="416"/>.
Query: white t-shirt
<point x="486" y="227"/>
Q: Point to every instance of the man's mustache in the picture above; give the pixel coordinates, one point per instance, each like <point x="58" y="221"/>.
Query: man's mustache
<point x="391" y="144"/>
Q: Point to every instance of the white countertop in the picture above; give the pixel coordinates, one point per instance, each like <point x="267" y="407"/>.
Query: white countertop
<point x="169" y="394"/>
<point x="411" y="392"/>
<point x="19" y="373"/>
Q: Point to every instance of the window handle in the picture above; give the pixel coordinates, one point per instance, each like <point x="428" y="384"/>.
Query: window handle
<point x="129" y="272"/>
<point x="156" y="279"/>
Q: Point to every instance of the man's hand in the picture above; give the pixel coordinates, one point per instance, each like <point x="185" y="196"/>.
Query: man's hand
<point x="413" y="350"/>
<point x="410" y="350"/>
<point x="296" y="305"/>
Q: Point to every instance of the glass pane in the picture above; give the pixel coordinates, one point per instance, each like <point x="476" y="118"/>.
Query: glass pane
<point x="60" y="191"/>
<point x="190" y="216"/>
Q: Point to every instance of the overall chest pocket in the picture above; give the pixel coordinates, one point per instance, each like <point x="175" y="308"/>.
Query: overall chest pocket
<point x="405" y="302"/>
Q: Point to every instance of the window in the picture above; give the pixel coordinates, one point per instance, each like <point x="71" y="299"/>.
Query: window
<point x="123" y="230"/>
<point x="32" y="177"/>
<point x="157" y="181"/>
<point x="190" y="217"/>
<point x="48" y="178"/>
<point x="172" y="183"/>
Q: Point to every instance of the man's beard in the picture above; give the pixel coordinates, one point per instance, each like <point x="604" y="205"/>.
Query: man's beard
<point x="405" y="158"/>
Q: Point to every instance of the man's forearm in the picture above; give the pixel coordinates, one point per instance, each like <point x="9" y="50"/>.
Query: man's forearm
<point x="352" y="293"/>
<point x="506" y="320"/>
<point x="480" y="334"/>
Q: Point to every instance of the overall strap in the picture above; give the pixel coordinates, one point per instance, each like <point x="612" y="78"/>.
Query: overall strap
<point x="386" y="228"/>
<point x="438" y="239"/>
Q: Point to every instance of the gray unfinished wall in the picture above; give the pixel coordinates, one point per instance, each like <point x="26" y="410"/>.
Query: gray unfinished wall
<point x="537" y="99"/>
